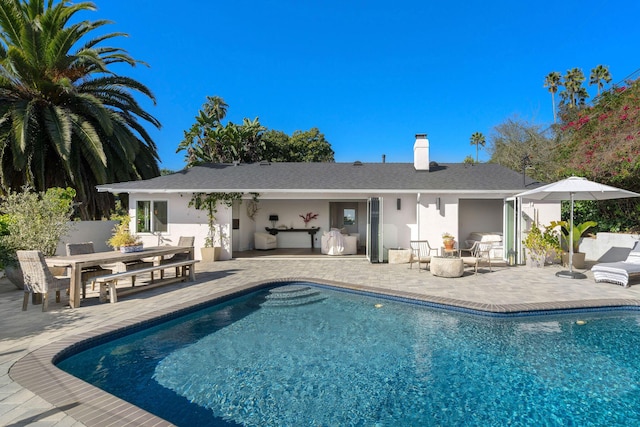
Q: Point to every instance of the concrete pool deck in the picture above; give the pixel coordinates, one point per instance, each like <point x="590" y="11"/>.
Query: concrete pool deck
<point x="40" y="335"/>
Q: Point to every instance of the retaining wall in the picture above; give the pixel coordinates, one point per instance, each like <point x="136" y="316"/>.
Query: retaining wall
<point x="608" y="247"/>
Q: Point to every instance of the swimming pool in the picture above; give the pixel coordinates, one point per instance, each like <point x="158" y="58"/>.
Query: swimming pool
<point x="317" y="356"/>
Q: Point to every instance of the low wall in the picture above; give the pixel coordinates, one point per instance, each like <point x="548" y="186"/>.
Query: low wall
<point x="97" y="232"/>
<point x="608" y="247"/>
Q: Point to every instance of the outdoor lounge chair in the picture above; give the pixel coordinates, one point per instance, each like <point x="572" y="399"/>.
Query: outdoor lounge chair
<point x="87" y="273"/>
<point x="421" y="252"/>
<point x="618" y="272"/>
<point x="38" y="279"/>
<point x="479" y="251"/>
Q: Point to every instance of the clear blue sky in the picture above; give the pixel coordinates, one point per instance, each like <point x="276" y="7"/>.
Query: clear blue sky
<point x="368" y="74"/>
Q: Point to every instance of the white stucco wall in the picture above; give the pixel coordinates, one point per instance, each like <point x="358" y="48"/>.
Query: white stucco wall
<point x="542" y="212"/>
<point x="97" y="232"/>
<point x="182" y="221"/>
<point x="399" y="226"/>
<point x="434" y="221"/>
<point x="398" y="223"/>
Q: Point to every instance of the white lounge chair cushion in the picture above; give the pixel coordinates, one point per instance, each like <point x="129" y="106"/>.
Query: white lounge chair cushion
<point x="618" y="272"/>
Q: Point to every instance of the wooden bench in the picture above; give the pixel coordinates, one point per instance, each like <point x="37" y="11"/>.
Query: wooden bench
<point x="110" y="281"/>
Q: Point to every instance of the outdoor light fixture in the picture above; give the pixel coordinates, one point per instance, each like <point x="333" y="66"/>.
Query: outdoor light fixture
<point x="273" y="219"/>
<point x="398" y="203"/>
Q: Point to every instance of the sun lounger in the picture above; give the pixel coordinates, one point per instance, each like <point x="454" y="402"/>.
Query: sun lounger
<point x="618" y="272"/>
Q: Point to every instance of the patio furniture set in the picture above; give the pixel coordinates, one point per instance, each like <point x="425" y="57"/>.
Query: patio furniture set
<point x="103" y="268"/>
<point x="452" y="261"/>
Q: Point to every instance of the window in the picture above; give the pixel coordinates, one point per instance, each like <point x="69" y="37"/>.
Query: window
<point x="151" y="216"/>
<point x="349" y="217"/>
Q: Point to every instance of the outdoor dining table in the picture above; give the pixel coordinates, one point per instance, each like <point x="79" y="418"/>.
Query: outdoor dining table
<point x="77" y="262"/>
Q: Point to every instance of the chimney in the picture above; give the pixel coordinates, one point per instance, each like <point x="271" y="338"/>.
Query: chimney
<point x="421" y="152"/>
<point x="384" y="158"/>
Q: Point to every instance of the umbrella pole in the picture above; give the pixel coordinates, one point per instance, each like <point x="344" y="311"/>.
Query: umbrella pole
<point x="571" y="236"/>
<point x="571" y="274"/>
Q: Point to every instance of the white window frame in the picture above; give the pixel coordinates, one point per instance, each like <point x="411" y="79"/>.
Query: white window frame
<point x="152" y="226"/>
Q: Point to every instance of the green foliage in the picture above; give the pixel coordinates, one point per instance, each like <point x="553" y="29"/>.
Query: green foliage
<point x="574" y="94"/>
<point x="121" y="234"/>
<point x="35" y="220"/>
<point x="542" y="244"/>
<point x="209" y="202"/>
<point x="210" y="141"/>
<point x="579" y="230"/>
<point x="478" y="139"/>
<point x="603" y="142"/>
<point x="67" y="119"/>
<point x="5" y="220"/>
<point x="302" y="146"/>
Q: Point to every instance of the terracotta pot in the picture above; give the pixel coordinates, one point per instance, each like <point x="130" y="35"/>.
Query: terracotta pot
<point x="448" y="244"/>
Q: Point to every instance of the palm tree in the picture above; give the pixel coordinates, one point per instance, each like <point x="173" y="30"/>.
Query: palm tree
<point x="574" y="93"/>
<point x="65" y="118"/>
<point x="477" y="139"/>
<point x="599" y="76"/>
<point x="552" y="81"/>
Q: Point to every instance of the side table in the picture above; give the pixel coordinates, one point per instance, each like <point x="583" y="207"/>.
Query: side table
<point x="447" y="266"/>
<point x="448" y="253"/>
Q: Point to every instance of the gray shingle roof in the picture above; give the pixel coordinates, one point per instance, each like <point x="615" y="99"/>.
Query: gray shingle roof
<point x="345" y="177"/>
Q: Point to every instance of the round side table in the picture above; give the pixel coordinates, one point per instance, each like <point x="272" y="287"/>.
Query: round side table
<point x="446" y="266"/>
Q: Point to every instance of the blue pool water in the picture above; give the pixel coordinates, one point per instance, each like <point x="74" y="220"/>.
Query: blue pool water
<point x="321" y="357"/>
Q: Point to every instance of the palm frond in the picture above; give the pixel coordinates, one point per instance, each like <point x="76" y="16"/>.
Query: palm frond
<point x="58" y="127"/>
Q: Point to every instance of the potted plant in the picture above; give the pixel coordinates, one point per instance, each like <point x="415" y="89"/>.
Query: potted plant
<point x="34" y="221"/>
<point x="448" y="241"/>
<point x="579" y="231"/>
<point x="215" y="239"/>
<point x="122" y="239"/>
<point x="541" y="246"/>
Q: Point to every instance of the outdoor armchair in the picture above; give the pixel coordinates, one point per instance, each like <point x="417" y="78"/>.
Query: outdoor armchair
<point x="421" y="252"/>
<point x="479" y="251"/>
<point x="264" y="241"/>
<point x="38" y="279"/>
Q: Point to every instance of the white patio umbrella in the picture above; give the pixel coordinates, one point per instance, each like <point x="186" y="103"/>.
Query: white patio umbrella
<point x="575" y="188"/>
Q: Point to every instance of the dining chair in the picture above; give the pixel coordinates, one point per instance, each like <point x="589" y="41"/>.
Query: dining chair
<point x="38" y="279"/>
<point x="187" y="241"/>
<point x="88" y="273"/>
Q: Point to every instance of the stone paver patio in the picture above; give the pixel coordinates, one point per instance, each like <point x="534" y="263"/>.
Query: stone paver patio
<point x="40" y="335"/>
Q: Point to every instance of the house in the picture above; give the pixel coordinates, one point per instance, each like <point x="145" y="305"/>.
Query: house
<point x="386" y="204"/>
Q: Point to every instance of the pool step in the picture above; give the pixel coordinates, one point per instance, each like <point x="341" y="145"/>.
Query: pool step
<point x="292" y="296"/>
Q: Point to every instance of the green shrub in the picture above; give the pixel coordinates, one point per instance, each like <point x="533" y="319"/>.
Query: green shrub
<point x="34" y="221"/>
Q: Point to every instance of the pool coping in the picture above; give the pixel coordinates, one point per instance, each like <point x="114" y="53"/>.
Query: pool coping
<point x="93" y="406"/>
